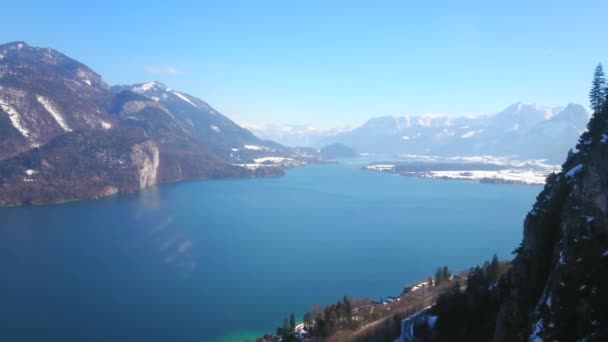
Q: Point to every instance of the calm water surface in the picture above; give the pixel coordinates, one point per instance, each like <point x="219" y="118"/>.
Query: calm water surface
<point x="218" y="260"/>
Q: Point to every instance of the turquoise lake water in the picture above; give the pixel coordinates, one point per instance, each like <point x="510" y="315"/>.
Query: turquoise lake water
<point x="219" y="260"/>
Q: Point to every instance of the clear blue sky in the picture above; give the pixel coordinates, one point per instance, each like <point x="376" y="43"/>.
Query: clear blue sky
<point x="331" y="62"/>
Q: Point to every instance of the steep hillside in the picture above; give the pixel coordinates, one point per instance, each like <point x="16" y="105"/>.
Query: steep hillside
<point x="557" y="288"/>
<point x="65" y="134"/>
<point x="44" y="94"/>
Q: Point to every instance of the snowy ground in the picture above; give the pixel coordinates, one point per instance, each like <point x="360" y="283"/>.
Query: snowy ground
<point x="272" y="162"/>
<point x="488" y="169"/>
<point x="508" y="175"/>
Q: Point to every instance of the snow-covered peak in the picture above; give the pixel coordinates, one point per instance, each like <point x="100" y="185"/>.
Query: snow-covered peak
<point x="523" y="109"/>
<point x="524" y="115"/>
<point x="574" y="113"/>
<point x="144" y="88"/>
<point x="160" y="92"/>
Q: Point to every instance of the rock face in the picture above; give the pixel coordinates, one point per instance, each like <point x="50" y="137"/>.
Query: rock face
<point x="558" y="286"/>
<point x="65" y="134"/>
<point x="145" y="157"/>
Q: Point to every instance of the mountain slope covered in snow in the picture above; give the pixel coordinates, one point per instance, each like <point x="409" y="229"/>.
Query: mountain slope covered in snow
<point x="525" y="131"/>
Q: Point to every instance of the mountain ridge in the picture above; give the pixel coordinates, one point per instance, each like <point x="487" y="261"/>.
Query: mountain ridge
<point x="520" y="130"/>
<point x="117" y="140"/>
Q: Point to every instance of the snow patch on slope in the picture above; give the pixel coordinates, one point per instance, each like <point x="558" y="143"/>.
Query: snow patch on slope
<point x="255" y="147"/>
<point x="183" y="97"/>
<point x="50" y="107"/>
<point x="573" y="171"/>
<point x="470" y="134"/>
<point x="15" y="118"/>
<point x="147" y="86"/>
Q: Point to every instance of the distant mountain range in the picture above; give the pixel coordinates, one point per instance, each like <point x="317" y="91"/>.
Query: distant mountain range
<point x="521" y="130"/>
<point x="65" y="134"/>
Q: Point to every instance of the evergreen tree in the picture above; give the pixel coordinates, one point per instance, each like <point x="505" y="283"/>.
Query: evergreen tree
<point x="285" y="327"/>
<point x="292" y="322"/>
<point x="445" y="273"/>
<point x="438" y="276"/>
<point x="307" y="318"/>
<point x="493" y="269"/>
<point x="348" y="308"/>
<point x="597" y="95"/>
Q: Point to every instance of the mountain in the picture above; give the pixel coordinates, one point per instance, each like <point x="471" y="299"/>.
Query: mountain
<point x="207" y="125"/>
<point x="44" y="94"/>
<point x="520" y="130"/>
<point x="557" y="286"/>
<point x="65" y="134"/>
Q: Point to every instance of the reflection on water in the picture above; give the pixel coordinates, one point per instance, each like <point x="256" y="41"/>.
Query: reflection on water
<point x="175" y="243"/>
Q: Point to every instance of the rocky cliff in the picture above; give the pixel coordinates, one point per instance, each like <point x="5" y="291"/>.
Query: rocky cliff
<point x="558" y="286"/>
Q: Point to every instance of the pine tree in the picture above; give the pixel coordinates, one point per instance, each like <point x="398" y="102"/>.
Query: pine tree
<point x="438" y="276"/>
<point x="307" y="318"/>
<point x="493" y="269"/>
<point x="292" y="322"/>
<point x="597" y="95"/>
<point x="348" y="308"/>
<point x="445" y="273"/>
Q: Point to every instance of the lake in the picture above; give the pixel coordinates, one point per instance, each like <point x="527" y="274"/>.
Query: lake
<point x="220" y="260"/>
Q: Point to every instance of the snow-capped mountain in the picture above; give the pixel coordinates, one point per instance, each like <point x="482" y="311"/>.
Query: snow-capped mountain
<point x="522" y="130"/>
<point x="43" y="94"/>
<point x="65" y="134"/>
<point x="207" y="125"/>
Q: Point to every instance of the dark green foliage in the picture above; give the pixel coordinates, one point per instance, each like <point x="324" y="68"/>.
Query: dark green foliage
<point x="493" y="270"/>
<point x="468" y="315"/>
<point x="308" y="319"/>
<point x="445" y="273"/>
<point x="597" y="95"/>
<point x="334" y="317"/>
<point x="292" y="322"/>
<point x="438" y="276"/>
<point x="347" y="309"/>
<point x="442" y="275"/>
